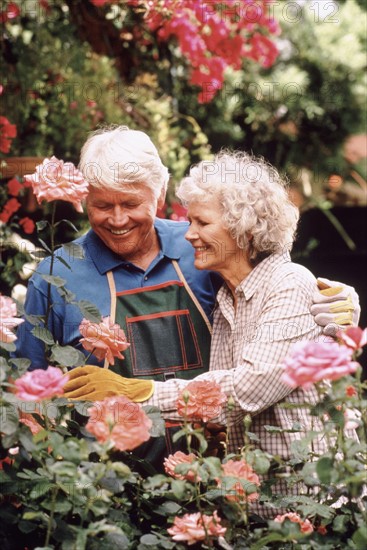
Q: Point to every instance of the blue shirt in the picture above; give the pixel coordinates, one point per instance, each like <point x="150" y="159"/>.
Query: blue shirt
<point x="86" y="279"/>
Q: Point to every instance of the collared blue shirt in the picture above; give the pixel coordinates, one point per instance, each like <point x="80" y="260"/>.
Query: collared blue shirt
<point x="86" y="279"/>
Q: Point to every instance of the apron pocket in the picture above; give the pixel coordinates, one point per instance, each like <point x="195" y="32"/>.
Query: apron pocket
<point x="169" y="337"/>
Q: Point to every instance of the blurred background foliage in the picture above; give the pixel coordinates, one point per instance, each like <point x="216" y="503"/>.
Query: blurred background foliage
<point x="58" y="85"/>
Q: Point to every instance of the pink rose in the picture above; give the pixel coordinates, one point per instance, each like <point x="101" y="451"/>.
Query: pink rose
<point x="238" y="469"/>
<point x="41" y="384"/>
<point x="312" y="362"/>
<point x="179" y="457"/>
<point x="119" y="421"/>
<point x="104" y="340"/>
<point x="55" y="179"/>
<point x="31" y="422"/>
<point x="8" y="320"/>
<point x="192" y="528"/>
<point x="353" y="337"/>
<point x="201" y="400"/>
<point x="305" y="525"/>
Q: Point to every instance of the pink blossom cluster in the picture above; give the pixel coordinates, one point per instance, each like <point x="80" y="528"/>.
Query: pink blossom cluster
<point x="233" y="471"/>
<point x="176" y="459"/>
<point x="201" y="400"/>
<point x="304" y="524"/>
<point x="192" y="528"/>
<point x="212" y="36"/>
<point x="238" y="469"/>
<point x="105" y="340"/>
<point x="8" y="319"/>
<point x="119" y="421"/>
<point x="55" y="179"/>
<point x="312" y="362"/>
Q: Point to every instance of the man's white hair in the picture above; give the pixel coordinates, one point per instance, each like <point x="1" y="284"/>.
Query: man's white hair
<point x="117" y="156"/>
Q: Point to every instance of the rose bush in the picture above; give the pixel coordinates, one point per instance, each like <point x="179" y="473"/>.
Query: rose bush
<point x="69" y="475"/>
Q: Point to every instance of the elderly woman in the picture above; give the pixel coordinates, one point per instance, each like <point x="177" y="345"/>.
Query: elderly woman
<point x="242" y="225"/>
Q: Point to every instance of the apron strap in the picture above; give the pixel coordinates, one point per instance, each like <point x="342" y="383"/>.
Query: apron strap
<point x="112" y="286"/>
<point x="192" y="295"/>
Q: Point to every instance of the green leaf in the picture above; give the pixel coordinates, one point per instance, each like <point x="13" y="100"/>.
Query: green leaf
<point x="89" y="311"/>
<point x="9" y="419"/>
<point x="41" y="225"/>
<point x="150" y="540"/>
<point x="43" y="334"/>
<point x="75" y="251"/>
<point x="168" y="508"/>
<point x="273" y="537"/>
<point x="34" y="319"/>
<point x="26" y="439"/>
<point x="158" y="424"/>
<point x="21" y="364"/>
<point x="8" y="347"/>
<point x="67" y="356"/>
<point x="45" y="246"/>
<point x="178" y="488"/>
<point x="324" y="469"/>
<point x="64" y="262"/>
<point x="54" y="280"/>
<point x="360" y="538"/>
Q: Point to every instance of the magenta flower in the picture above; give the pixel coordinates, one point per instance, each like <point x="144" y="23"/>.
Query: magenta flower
<point x="41" y="384"/>
<point x="55" y="179"/>
<point x="312" y="362"/>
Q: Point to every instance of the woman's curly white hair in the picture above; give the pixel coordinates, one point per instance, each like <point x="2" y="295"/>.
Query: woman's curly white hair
<point x="256" y="207"/>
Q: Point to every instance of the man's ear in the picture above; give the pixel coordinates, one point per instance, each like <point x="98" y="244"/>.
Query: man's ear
<point x="161" y="198"/>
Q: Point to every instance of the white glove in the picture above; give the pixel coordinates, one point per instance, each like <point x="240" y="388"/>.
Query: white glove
<point x="335" y="306"/>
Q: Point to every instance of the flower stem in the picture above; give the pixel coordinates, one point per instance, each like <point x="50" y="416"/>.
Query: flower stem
<point x="52" y="513"/>
<point x="52" y="260"/>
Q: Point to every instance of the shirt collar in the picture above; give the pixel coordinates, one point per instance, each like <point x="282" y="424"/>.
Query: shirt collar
<point x="261" y="273"/>
<point x="167" y="238"/>
<point x="106" y="260"/>
<point x="256" y="278"/>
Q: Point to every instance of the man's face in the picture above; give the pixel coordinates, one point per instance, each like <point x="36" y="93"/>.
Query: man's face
<point x="124" y="220"/>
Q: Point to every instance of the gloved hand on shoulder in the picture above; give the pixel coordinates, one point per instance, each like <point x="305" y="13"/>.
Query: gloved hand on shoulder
<point x="335" y="306"/>
<point x="91" y="383"/>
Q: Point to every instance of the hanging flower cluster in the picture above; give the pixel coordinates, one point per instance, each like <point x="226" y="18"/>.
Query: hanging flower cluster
<point x="212" y="36"/>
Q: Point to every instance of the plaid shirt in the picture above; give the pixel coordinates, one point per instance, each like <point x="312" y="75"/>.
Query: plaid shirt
<point x="249" y="345"/>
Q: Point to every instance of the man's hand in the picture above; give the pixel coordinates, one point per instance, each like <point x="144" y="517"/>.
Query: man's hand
<point x="335" y="306"/>
<point x="90" y="383"/>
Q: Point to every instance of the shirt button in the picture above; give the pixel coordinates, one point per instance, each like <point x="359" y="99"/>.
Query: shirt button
<point x="145" y="278"/>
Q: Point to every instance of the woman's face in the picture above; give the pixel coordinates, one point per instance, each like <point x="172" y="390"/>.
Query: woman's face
<point x="215" y="248"/>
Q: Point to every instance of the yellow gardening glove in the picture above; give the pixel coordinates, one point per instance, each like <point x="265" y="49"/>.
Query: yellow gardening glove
<point x="335" y="306"/>
<point x="91" y="383"/>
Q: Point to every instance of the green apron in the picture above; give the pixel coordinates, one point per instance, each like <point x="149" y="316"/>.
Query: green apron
<point x="169" y="335"/>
